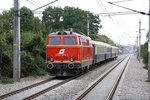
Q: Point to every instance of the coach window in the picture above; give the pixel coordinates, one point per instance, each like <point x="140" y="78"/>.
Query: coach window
<point x="54" y="40"/>
<point x="108" y="49"/>
<point x="69" y="41"/>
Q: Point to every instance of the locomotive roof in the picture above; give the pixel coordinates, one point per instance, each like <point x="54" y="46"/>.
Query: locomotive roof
<point x="67" y="33"/>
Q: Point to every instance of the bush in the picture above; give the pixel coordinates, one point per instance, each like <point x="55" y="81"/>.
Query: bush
<point x="6" y="81"/>
<point x="5" y="56"/>
<point x="144" y="54"/>
<point x="33" y="62"/>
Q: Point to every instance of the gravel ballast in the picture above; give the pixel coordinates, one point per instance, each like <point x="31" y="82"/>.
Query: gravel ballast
<point x="6" y="88"/>
<point x="133" y="85"/>
<point x="64" y="92"/>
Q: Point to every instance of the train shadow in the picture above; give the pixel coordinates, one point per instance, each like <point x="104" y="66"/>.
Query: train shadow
<point x="62" y="77"/>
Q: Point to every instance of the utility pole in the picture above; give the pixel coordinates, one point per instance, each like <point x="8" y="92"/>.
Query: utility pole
<point x="139" y="55"/>
<point x="149" y="46"/>
<point x="16" y="42"/>
<point x="88" y="22"/>
<point x="137" y="47"/>
<point x="143" y="13"/>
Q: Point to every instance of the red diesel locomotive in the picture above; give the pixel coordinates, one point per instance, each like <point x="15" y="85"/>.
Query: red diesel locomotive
<point x="68" y="53"/>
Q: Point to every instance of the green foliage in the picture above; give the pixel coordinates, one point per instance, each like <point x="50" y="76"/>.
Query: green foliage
<point x="144" y="54"/>
<point x="32" y="55"/>
<point x="6" y="80"/>
<point x="6" y="21"/>
<point x="6" y="55"/>
<point x="72" y="18"/>
<point x="36" y="25"/>
<point x="32" y="44"/>
<point x="31" y="65"/>
<point x="26" y="19"/>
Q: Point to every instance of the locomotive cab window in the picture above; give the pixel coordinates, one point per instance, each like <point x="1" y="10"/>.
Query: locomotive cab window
<point x="54" y="41"/>
<point x="85" y="42"/>
<point x="69" y="41"/>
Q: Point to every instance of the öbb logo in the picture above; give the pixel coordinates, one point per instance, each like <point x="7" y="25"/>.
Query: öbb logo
<point x="61" y="51"/>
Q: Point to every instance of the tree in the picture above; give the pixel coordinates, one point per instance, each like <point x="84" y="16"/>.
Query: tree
<point x="51" y="19"/>
<point x="6" y="41"/>
<point x="26" y="19"/>
<point x="72" y="18"/>
<point x="36" y="25"/>
<point x="6" y="21"/>
<point x="6" y="55"/>
<point x="32" y="55"/>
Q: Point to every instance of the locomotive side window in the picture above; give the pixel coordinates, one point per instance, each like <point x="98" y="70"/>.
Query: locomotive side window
<point x="79" y="41"/>
<point x="85" y="42"/>
<point x="54" y="41"/>
<point x="69" y="41"/>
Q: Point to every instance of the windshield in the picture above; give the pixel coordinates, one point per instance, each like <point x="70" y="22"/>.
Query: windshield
<point x="54" y="41"/>
<point x="69" y="41"/>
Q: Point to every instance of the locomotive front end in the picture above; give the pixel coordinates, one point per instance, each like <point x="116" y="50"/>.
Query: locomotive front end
<point x="62" y="54"/>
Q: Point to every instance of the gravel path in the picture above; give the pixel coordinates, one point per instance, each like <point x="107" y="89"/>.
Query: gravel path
<point x="133" y="85"/>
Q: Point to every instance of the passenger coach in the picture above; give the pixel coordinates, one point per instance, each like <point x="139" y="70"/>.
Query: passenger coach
<point x="103" y="51"/>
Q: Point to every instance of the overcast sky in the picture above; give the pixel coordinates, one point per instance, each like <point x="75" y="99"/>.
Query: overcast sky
<point x="121" y="29"/>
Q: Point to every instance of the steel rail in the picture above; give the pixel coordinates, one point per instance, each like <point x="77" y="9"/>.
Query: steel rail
<point x="100" y="79"/>
<point x="54" y="86"/>
<point x="111" y="93"/>
<point x="37" y="84"/>
<point x="50" y="88"/>
<point x="25" y="88"/>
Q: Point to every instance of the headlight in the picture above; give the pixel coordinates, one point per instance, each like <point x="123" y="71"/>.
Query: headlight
<point x="71" y="59"/>
<point x="51" y="59"/>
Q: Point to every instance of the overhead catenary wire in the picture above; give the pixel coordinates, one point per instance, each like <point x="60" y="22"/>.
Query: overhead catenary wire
<point x="36" y="3"/>
<point x="116" y="24"/>
<point x="121" y="1"/>
<point x="129" y="9"/>
<point x="108" y="15"/>
<point x="44" y="5"/>
<point x="103" y="5"/>
<point x="117" y="13"/>
<point x="100" y="5"/>
<point x="136" y="11"/>
<point x="32" y="3"/>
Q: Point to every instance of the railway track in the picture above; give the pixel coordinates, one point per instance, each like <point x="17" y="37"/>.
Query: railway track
<point x="86" y="94"/>
<point x="5" y="96"/>
<point x="53" y="87"/>
<point x="25" y="88"/>
<point x="42" y="91"/>
<point x="49" y="88"/>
